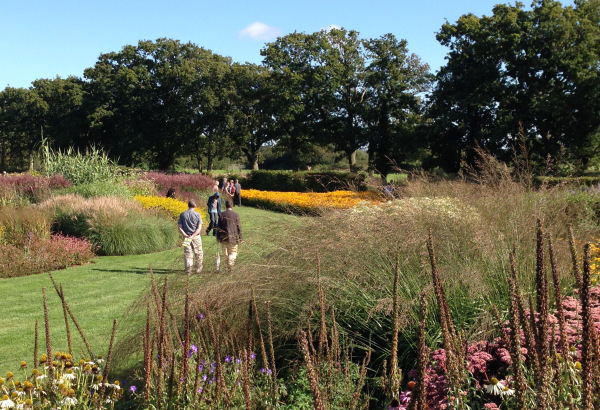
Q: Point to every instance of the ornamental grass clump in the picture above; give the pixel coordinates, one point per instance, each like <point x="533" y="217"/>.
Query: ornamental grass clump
<point x="193" y="359"/>
<point x="28" y="247"/>
<point x="188" y="364"/>
<point x="114" y="225"/>
<point x="78" y="167"/>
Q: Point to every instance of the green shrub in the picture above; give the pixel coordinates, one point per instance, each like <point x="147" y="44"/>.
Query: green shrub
<point x="288" y="181"/>
<point x="101" y="188"/>
<point x="18" y="225"/>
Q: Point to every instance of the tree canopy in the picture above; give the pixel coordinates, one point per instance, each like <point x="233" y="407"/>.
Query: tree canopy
<point x="523" y="76"/>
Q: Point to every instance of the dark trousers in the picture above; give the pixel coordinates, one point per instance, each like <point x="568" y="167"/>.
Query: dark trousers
<point x="237" y="199"/>
<point x="214" y="219"/>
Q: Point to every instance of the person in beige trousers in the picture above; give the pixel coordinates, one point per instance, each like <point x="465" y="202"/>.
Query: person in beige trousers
<point x="229" y="233"/>
<point x="190" y="225"/>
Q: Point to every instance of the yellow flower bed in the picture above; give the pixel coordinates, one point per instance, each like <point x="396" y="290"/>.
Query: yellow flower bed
<point x="312" y="200"/>
<point x="173" y="206"/>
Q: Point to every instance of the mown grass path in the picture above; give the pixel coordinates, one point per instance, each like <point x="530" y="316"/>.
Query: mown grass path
<point x="102" y="291"/>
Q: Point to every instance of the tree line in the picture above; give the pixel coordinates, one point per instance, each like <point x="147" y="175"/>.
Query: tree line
<point x="523" y="80"/>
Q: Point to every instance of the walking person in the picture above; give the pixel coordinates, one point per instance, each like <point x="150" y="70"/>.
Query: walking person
<point x="214" y="209"/>
<point x="229" y="234"/>
<point x="190" y="225"/>
<point x="237" y="197"/>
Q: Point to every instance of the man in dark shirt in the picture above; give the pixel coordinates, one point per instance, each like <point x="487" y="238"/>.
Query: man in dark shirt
<point x="229" y="233"/>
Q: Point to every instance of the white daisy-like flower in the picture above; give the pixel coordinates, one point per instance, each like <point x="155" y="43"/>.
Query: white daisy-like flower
<point x="96" y="386"/>
<point x="69" y="401"/>
<point x="68" y="376"/>
<point x="507" y="392"/>
<point x="6" y="403"/>
<point x="41" y="377"/>
<point x="494" y="387"/>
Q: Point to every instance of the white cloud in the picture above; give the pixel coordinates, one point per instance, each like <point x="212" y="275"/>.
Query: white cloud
<point x="259" y="31"/>
<point x="331" y="27"/>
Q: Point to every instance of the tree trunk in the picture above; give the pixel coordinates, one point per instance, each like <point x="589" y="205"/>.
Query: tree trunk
<point x="199" y="161"/>
<point x="351" y="160"/>
<point x="3" y="156"/>
<point x="254" y="161"/>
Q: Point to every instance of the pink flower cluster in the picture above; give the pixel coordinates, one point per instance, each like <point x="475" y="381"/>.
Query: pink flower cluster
<point x="43" y="255"/>
<point x="492" y="359"/>
<point x="181" y="182"/>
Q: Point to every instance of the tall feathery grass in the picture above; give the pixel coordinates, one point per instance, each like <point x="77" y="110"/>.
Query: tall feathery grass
<point x="116" y="226"/>
<point x="80" y="167"/>
<point x="476" y="226"/>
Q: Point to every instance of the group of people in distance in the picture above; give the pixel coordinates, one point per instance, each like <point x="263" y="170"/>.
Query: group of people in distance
<point x="225" y="226"/>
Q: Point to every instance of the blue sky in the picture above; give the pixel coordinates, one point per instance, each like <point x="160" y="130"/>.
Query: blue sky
<point x="45" y="38"/>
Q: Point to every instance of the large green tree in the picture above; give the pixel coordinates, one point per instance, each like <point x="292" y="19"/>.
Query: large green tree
<point x="157" y="100"/>
<point x="300" y="80"/>
<point x="395" y="81"/>
<point x="335" y="88"/>
<point x="65" y="121"/>
<point x="520" y="73"/>
<point x="21" y="121"/>
<point x="253" y="109"/>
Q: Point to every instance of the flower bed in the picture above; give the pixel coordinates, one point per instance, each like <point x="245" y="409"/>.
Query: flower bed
<point x="307" y="201"/>
<point x="43" y="255"/>
<point x="173" y="207"/>
<point x="180" y="182"/>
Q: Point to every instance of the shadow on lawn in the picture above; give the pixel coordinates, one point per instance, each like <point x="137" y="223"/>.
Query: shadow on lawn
<point x="141" y="271"/>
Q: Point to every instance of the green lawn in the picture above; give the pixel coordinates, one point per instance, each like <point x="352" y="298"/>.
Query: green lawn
<point x="102" y="291"/>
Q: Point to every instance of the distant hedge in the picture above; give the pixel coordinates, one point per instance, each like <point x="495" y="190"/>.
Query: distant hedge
<point x="289" y="181"/>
